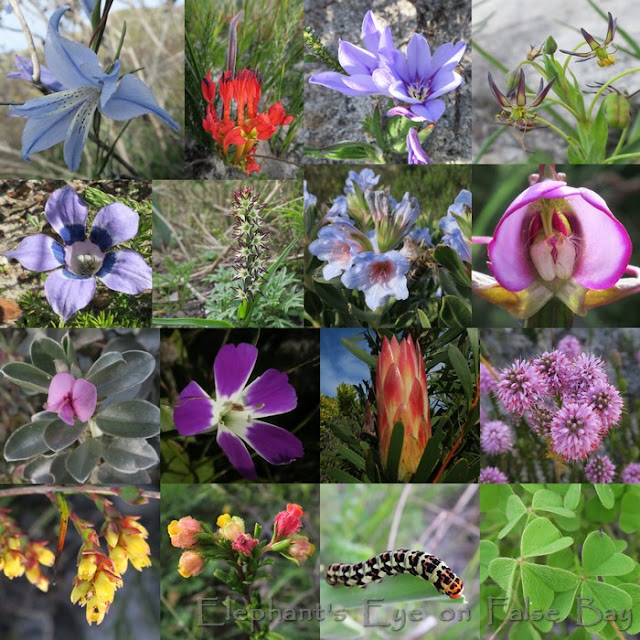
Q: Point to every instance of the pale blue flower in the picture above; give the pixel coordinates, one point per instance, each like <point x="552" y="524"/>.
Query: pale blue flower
<point x="24" y="71"/>
<point x="67" y="115"/>
<point x="366" y="179"/>
<point x="309" y="200"/>
<point x="421" y="236"/>
<point x="336" y="247"/>
<point x="453" y="237"/>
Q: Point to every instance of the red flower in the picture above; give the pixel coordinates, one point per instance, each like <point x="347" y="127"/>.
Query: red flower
<point x="288" y="522"/>
<point x="244" y="544"/>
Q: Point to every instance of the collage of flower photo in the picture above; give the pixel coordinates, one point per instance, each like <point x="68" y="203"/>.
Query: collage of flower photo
<point x="319" y="320"/>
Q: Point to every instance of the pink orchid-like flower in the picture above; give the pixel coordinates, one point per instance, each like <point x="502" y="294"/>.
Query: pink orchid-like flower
<point x="70" y="397"/>
<point x="557" y="241"/>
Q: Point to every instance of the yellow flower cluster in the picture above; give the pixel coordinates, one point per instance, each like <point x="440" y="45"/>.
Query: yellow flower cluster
<point x="20" y="556"/>
<point x="126" y="539"/>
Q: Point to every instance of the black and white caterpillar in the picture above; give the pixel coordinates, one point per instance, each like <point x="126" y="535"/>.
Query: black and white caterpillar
<point x="389" y="563"/>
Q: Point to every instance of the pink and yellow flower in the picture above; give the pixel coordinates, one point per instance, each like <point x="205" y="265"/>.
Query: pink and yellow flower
<point x="190" y="564"/>
<point x="182" y="532"/>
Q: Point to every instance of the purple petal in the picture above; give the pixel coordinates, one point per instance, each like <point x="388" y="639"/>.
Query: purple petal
<point x="271" y="394"/>
<point x="84" y="397"/>
<point x="24" y="71"/>
<point x="405" y="113"/>
<point x="232" y="367"/>
<point x="74" y="64"/>
<point x="125" y="271"/>
<point x="59" y="388"/>
<point x="417" y="154"/>
<point x="133" y="98"/>
<point x="66" y="212"/>
<point x="431" y="110"/>
<point x="114" y="224"/>
<point x="77" y="134"/>
<point x="194" y="411"/>
<point x="448" y="55"/>
<point x="275" y="445"/>
<point x="237" y="453"/>
<point x="361" y="83"/>
<point x="444" y="82"/>
<point x="335" y="81"/>
<point x="398" y="90"/>
<point x="418" y="56"/>
<point x="38" y="253"/>
<point x="356" y="60"/>
<point x="67" y="293"/>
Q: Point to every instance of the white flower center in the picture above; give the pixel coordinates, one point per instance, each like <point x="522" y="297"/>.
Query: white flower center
<point x="84" y="258"/>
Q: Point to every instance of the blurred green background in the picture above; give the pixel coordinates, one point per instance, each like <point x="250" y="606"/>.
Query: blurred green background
<point x="496" y="186"/>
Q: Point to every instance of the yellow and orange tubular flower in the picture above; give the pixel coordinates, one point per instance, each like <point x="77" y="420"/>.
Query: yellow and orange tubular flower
<point x="190" y="564"/>
<point x="126" y="539"/>
<point x="401" y="396"/>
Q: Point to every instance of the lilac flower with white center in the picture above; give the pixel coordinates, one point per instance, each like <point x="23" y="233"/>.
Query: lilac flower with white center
<point x="607" y="402"/>
<point x="575" y="431"/>
<point x="570" y="345"/>
<point x="237" y="409"/>
<point x="337" y="248"/>
<point x="24" y="71"/>
<point x="520" y="387"/>
<point x="492" y="475"/>
<point x="495" y="437"/>
<point x="366" y="179"/>
<point x="67" y="114"/>
<point x="359" y="63"/>
<point x="555" y="367"/>
<point x="419" y="79"/>
<point x="309" y="200"/>
<point x="79" y="260"/>
<point x="488" y="383"/>
<point x="379" y="276"/>
<point x="70" y="397"/>
<point x="600" y="470"/>
<point x="631" y="473"/>
<point x="417" y="155"/>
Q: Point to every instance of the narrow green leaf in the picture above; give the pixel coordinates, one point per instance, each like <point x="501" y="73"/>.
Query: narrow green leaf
<point x="461" y="367"/>
<point x="430" y="457"/>
<point x="395" y="452"/>
<point x="360" y="353"/>
<point x="201" y="323"/>
<point x="355" y="459"/>
<point x="455" y="313"/>
<point x="342" y="476"/>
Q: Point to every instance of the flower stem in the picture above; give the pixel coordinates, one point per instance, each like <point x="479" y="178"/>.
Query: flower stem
<point x="553" y="127"/>
<point x="35" y="76"/>
<point x="44" y="489"/>
<point x="607" y="84"/>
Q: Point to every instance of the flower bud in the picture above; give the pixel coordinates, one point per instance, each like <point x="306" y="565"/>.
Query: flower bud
<point x="190" y="564"/>
<point x="617" y="111"/>
<point x="182" y="532"/>
<point x="512" y="79"/>
<point x="244" y="544"/>
<point x="550" y="46"/>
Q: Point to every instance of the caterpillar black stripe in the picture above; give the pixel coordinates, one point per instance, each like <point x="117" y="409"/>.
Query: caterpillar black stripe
<point x="389" y="563"/>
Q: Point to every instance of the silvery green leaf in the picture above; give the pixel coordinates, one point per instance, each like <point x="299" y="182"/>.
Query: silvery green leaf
<point x="107" y="474"/>
<point x="83" y="460"/>
<point x="27" y="441"/>
<point x="129" y="454"/>
<point x="59" y="435"/>
<point x="27" y="376"/>
<point x="48" y="355"/>
<point x="139" y="365"/>
<point x="38" y="471"/>
<point x="130" y="419"/>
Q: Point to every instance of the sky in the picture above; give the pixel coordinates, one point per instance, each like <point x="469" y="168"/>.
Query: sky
<point x="337" y="364"/>
<point x="12" y="38"/>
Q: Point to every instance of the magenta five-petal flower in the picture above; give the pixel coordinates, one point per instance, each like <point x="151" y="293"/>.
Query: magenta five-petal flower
<point x="237" y="410"/>
<point x="70" y="397"/>
<point x="77" y="262"/>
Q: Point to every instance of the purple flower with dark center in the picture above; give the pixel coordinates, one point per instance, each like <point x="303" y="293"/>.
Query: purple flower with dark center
<point x="492" y="475"/>
<point x="419" y="79"/>
<point x="24" y="71"/>
<point x="631" y="473"/>
<point x="520" y="387"/>
<point x="488" y="382"/>
<point x="600" y="470"/>
<point x="337" y="248"/>
<point x="237" y="410"/>
<point x="417" y="155"/>
<point x="380" y="276"/>
<point x="555" y="366"/>
<point x="607" y="402"/>
<point x="77" y="262"/>
<point x="358" y="63"/>
<point x="570" y="345"/>
<point x="575" y="431"/>
<point x="495" y="437"/>
<point x="70" y="397"/>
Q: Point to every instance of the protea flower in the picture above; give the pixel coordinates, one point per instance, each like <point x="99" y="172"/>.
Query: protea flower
<point x="401" y="396"/>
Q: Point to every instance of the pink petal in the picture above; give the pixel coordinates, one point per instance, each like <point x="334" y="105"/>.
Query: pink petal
<point x="274" y="444"/>
<point x="59" y="388"/>
<point x="84" y="397"/>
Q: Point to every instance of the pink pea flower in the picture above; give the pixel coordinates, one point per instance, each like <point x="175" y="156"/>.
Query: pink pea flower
<point x="557" y="241"/>
<point x="69" y="397"/>
<point x="245" y="544"/>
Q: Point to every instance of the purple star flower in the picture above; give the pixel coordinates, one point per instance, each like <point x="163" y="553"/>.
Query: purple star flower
<point x="555" y="367"/>
<point x="492" y="475"/>
<point x="570" y="345"/>
<point x="575" y="431"/>
<point x="76" y="263"/>
<point x="631" y="473"/>
<point x="520" y="387"/>
<point x="359" y="63"/>
<point x="366" y="179"/>
<point x="24" y="71"/>
<point x="335" y="246"/>
<point x="237" y="408"/>
<point x="380" y="276"/>
<point x="417" y="155"/>
<point x="495" y="437"/>
<point x="600" y="470"/>
<point x="419" y="79"/>
<point x="69" y="397"/>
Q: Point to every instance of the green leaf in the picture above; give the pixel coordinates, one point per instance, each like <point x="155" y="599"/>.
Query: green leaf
<point x="634" y="591"/>
<point x="540" y="538"/>
<point x="83" y="460"/>
<point x="67" y="345"/>
<point x="523" y="631"/>
<point x="342" y="476"/>
<point x="488" y="552"/>
<point x="461" y="367"/>
<point x="455" y="313"/>
<point x="458" y="473"/>
<point x="27" y="441"/>
<point x="600" y="558"/>
<point x="130" y="454"/>
<point x="597" y="138"/>
<point x="450" y="259"/>
<point x="501" y="571"/>
<point x="130" y="419"/>
<point x="630" y="509"/>
<point x="355" y="459"/>
<point x="360" y="353"/>
<point x="59" y="435"/>
<point x="27" y="376"/>
<point x="200" y="323"/>
<point x="538" y="594"/>
<point x="572" y="497"/>
<point x="348" y="151"/>
<point x="605" y="494"/>
<point x="139" y="366"/>
<point x="553" y="577"/>
<point x="430" y="457"/>
<point x="424" y="319"/>
<point x="107" y="475"/>
<point x="48" y="355"/>
<point x="563" y="602"/>
<point x="514" y="510"/>
<point x="545" y="500"/>
<point x="395" y="452"/>
<point x="105" y="367"/>
<point x="605" y="596"/>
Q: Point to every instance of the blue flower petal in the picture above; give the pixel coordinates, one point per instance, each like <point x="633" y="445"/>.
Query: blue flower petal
<point x="66" y="212"/>
<point x="56" y="103"/>
<point x="125" y="271"/>
<point x="133" y="98"/>
<point x="68" y="293"/>
<point x="41" y="133"/>
<point x="38" y="253"/>
<point x="78" y="131"/>
<point x="114" y="224"/>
